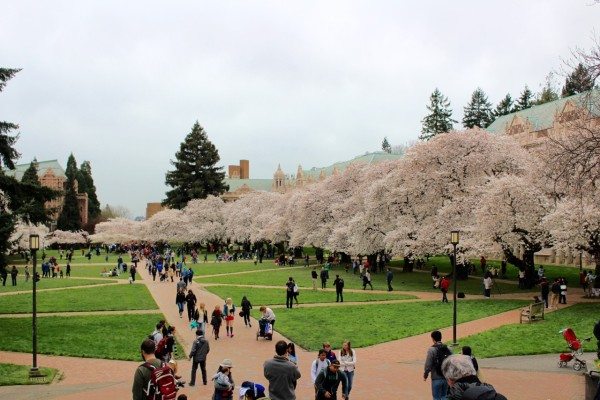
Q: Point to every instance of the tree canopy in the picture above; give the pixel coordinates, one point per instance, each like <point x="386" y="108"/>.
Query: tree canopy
<point x="439" y="120"/>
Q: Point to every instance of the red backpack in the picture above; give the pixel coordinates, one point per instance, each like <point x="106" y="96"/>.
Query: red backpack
<point x="162" y="384"/>
<point x="161" y="347"/>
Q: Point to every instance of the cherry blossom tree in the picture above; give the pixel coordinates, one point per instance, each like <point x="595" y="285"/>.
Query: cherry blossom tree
<point x="67" y="237"/>
<point x="510" y="213"/>
<point x="575" y="225"/>
<point x="166" y="225"/>
<point x="204" y="221"/>
<point x="20" y="236"/>
<point x="117" y="230"/>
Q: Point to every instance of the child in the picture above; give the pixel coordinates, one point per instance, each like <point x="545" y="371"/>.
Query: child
<point x="216" y="320"/>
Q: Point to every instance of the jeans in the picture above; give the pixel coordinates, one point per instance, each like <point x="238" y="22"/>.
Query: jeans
<point x="439" y="388"/>
<point x="350" y="377"/>
<point x="195" y="368"/>
<point x="180" y="307"/>
<point x="289" y="300"/>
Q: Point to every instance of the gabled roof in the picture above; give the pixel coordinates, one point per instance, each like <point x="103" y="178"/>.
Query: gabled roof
<point x="542" y="116"/>
<point x="43" y="166"/>
<point x="367" y="158"/>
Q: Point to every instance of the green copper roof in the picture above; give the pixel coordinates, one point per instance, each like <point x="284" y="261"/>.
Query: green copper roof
<point x="542" y="116"/>
<point x="43" y="166"/>
<point x="367" y="158"/>
<point x="256" y="184"/>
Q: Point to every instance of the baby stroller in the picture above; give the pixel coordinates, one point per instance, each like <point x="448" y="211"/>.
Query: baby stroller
<point x="576" y="350"/>
<point x="265" y="330"/>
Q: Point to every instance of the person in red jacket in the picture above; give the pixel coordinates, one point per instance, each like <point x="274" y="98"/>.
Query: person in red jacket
<point x="444" y="285"/>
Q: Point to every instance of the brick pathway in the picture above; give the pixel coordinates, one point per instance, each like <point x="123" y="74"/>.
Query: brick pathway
<point x="390" y="370"/>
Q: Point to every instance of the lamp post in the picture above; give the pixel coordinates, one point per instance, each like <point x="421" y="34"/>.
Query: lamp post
<point x="34" y="245"/>
<point x="454" y="238"/>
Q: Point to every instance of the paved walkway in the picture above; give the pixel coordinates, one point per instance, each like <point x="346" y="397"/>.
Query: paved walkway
<point x="390" y="370"/>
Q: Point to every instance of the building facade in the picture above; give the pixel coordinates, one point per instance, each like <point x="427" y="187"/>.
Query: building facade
<point x="52" y="175"/>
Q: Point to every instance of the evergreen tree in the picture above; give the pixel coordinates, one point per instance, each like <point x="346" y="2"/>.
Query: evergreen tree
<point x="8" y="154"/>
<point x="579" y="81"/>
<point x="525" y="101"/>
<point x="15" y="196"/>
<point x="33" y="209"/>
<point x="86" y="185"/>
<point x="440" y="119"/>
<point x="196" y="175"/>
<point x="385" y="145"/>
<point x="548" y="92"/>
<point x="70" y="218"/>
<point x="504" y="107"/>
<point x="478" y="111"/>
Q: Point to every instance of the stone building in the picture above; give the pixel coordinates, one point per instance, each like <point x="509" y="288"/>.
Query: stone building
<point x="556" y="119"/>
<point x="52" y="175"/>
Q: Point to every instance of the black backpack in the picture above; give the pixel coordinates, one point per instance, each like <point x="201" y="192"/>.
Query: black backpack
<point x="441" y="353"/>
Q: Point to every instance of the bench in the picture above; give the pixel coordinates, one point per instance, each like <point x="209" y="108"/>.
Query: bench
<point x="533" y="312"/>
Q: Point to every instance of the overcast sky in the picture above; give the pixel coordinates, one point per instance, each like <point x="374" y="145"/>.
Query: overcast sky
<point x="120" y="83"/>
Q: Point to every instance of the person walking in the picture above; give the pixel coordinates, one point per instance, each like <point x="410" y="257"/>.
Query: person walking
<point x="216" y="319"/>
<point x="367" y="279"/>
<point x="190" y="300"/>
<point x="339" y="289"/>
<point x="296" y="292"/>
<point x="27" y="274"/>
<point x="13" y="275"/>
<point x="487" y="284"/>
<point x="314" y="277"/>
<point x="435" y="356"/>
<point x="142" y="375"/>
<point x="348" y="363"/>
<point x="289" y="293"/>
<point x="180" y="301"/>
<point x="545" y="290"/>
<point x="229" y="315"/>
<point x="389" y="276"/>
<point x="200" y="349"/>
<point x="132" y="271"/>
<point x="281" y="373"/>
<point x="323" y="276"/>
<point x="328" y="381"/>
<point x="246" y="307"/>
<point x="555" y="289"/>
<point x="320" y="363"/>
<point x="444" y="285"/>
<point x="201" y="317"/>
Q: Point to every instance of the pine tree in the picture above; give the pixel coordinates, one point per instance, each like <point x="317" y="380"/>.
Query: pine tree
<point x="385" y="145"/>
<point x="196" y="175"/>
<point x="8" y="154"/>
<point x="478" y="111"/>
<point x="579" y="81"/>
<point x="525" y="101"/>
<point x="31" y="173"/>
<point x="440" y="119"/>
<point x="86" y="185"/>
<point x="33" y="209"/>
<point x="70" y="218"/>
<point x="548" y="92"/>
<point x="504" y="107"/>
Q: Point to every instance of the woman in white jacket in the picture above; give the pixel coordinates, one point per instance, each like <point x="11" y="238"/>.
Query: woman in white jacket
<point x="348" y="363"/>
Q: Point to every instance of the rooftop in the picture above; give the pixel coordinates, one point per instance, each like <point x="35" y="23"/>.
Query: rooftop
<point x="43" y="166"/>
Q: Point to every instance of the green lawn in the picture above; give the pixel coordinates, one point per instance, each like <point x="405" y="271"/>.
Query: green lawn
<point x="212" y="268"/>
<point x="368" y="325"/>
<point x="50" y="283"/>
<point x="108" y="336"/>
<point x="11" y="374"/>
<point x="539" y="337"/>
<point x="94" y="270"/>
<point x="103" y="298"/>
<point x="264" y="296"/>
<point x="417" y="281"/>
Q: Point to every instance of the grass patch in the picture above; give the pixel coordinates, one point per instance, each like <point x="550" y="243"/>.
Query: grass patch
<point x="408" y="281"/>
<point x="11" y="374"/>
<point x="103" y="298"/>
<point x="263" y="296"/>
<point x="50" y="283"/>
<point x="212" y="268"/>
<point x="115" y="337"/>
<point x="94" y="271"/>
<point x="367" y="325"/>
<point x="537" y="338"/>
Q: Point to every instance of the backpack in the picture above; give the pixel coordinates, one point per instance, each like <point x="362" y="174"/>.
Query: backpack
<point x="162" y="384"/>
<point x="161" y="347"/>
<point x="441" y="353"/>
